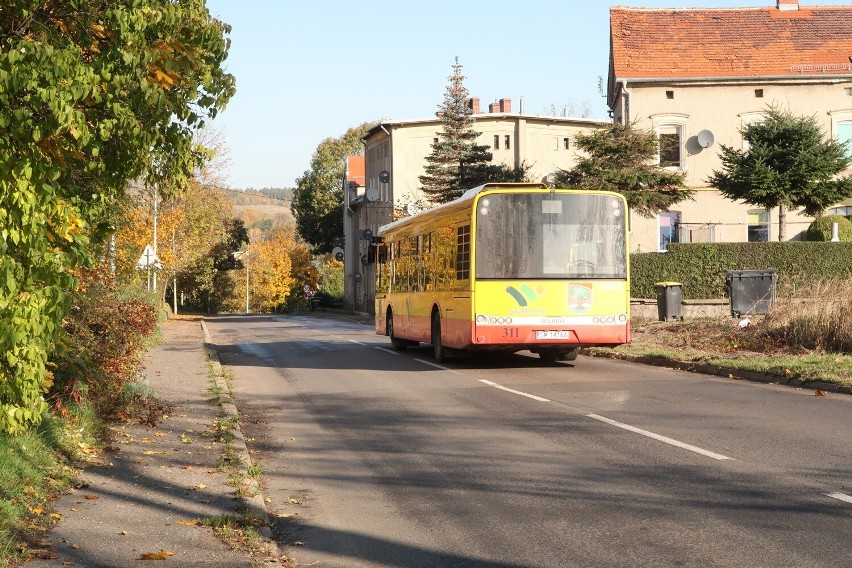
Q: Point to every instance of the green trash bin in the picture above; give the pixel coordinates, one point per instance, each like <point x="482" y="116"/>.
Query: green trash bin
<point x="668" y="300"/>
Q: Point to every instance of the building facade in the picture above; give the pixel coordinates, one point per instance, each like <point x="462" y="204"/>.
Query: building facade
<point x="696" y="77"/>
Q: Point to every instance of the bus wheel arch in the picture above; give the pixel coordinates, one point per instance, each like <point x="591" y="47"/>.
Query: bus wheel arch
<point x="397" y="344"/>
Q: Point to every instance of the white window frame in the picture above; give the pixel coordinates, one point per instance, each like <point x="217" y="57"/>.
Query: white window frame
<point x="677" y="217"/>
<point x="748" y="118"/>
<point x="672" y="124"/>
<point x="840" y="118"/>
<point x="768" y="223"/>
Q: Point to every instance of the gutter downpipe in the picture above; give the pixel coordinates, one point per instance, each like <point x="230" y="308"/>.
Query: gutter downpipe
<point x="626" y="91"/>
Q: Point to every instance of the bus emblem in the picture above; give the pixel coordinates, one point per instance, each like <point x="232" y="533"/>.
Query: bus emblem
<point x="526" y="294"/>
<point x="580" y="298"/>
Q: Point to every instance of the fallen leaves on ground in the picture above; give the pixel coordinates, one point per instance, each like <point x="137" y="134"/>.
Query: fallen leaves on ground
<point x="161" y="555"/>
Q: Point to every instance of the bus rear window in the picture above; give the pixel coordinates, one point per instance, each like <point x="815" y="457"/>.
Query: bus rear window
<point x="550" y="235"/>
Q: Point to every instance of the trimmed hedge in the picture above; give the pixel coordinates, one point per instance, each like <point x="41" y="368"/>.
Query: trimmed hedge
<point x="701" y="267"/>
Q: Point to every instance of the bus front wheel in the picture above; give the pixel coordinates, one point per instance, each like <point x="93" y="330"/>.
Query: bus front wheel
<point x="438" y="349"/>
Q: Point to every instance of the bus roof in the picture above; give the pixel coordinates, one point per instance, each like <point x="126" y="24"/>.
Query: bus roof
<point x="466" y="197"/>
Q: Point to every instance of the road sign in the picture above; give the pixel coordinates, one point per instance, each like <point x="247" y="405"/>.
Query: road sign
<point x="148" y="259"/>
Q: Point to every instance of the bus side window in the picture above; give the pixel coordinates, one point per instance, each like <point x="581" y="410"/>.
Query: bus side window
<point x="463" y="252"/>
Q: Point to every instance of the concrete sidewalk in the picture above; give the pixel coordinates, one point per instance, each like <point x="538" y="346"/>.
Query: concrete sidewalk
<point x="158" y="482"/>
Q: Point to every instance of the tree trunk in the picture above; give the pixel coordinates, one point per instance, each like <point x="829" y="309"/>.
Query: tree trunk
<point x="782" y="223"/>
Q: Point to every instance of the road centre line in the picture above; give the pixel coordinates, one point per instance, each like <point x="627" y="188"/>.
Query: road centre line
<point x="659" y="438"/>
<point x="501" y="387"/>
<point x="431" y="364"/>
<point x="840" y="496"/>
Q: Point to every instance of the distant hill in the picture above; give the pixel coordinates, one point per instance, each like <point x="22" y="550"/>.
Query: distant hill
<point x="261" y="210"/>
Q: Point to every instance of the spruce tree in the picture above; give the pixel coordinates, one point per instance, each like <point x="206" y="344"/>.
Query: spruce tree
<point x="788" y="163"/>
<point x="621" y="158"/>
<point x="457" y="162"/>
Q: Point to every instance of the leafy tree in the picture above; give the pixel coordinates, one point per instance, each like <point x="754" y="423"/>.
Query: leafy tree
<point x="788" y="163"/>
<point x="271" y="275"/>
<point x="457" y="163"/>
<point x="621" y="158"/>
<point x="318" y="196"/>
<point x="92" y="94"/>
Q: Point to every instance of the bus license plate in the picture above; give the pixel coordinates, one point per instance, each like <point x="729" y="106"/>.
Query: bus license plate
<point x="552" y="335"/>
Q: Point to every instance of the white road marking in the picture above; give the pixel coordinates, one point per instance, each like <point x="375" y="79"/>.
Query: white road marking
<point x="358" y="342"/>
<point x="659" y="438"/>
<point x="437" y="366"/>
<point x="386" y="350"/>
<point x="513" y="391"/>
<point x="840" y="496"/>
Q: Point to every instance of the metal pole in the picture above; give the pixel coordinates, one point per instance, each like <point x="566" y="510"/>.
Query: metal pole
<point x="155" y="237"/>
<point x="247" y="278"/>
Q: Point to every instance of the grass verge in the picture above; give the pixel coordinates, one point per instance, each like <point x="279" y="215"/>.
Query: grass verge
<point x="36" y="467"/>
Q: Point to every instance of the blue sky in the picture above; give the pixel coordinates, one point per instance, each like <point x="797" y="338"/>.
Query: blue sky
<point x="307" y="71"/>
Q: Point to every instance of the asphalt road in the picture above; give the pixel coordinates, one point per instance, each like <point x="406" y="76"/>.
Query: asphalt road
<point x="376" y="458"/>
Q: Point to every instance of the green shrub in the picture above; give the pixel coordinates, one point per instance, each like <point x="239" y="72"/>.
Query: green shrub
<point x="702" y="267"/>
<point x="820" y="230"/>
<point x="106" y="332"/>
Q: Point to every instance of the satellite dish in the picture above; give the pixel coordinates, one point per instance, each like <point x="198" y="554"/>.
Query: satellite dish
<point x="384" y="176"/>
<point x="372" y="194"/>
<point x="367" y="234"/>
<point x="705" y="139"/>
<point x="338" y="253"/>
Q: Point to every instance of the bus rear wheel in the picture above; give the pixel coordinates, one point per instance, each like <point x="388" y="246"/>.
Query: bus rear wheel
<point x="554" y="355"/>
<point x="397" y="344"/>
<point x="438" y="349"/>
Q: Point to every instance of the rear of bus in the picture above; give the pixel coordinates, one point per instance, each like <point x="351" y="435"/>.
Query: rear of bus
<point x="551" y="271"/>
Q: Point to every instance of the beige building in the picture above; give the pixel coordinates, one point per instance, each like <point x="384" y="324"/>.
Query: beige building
<point x="697" y="76"/>
<point x="395" y="158"/>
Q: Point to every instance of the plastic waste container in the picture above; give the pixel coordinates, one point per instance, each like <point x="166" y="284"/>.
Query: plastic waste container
<point x="751" y="291"/>
<point x="668" y="300"/>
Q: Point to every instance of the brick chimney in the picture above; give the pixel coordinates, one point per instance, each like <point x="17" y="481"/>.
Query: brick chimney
<point x="785" y="5"/>
<point x="494" y="107"/>
<point x="505" y="105"/>
<point x="473" y="104"/>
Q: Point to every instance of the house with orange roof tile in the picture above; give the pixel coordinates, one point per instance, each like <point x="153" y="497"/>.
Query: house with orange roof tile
<point x="697" y="76"/>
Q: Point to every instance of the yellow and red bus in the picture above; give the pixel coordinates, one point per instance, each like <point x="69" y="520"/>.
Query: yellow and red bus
<point x="507" y="267"/>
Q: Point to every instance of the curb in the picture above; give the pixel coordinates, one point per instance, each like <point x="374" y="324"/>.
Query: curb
<point x="731" y="373"/>
<point x="253" y="496"/>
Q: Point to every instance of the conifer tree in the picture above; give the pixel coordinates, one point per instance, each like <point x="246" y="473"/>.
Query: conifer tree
<point x="457" y="162"/>
<point x="788" y="163"/>
<point x="621" y="158"/>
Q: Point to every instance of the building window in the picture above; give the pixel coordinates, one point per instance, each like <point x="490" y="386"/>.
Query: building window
<point x="758" y="226"/>
<point x="507" y="141"/>
<point x="566" y="143"/>
<point x="848" y="91"/>
<point x="758" y="93"/>
<point x="843" y="210"/>
<point x="669" y="229"/>
<point x="669" y="94"/>
<point x="434" y="141"/>
<point x="669" y="137"/>
<point x="496" y="141"/>
<point x="844" y="135"/>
